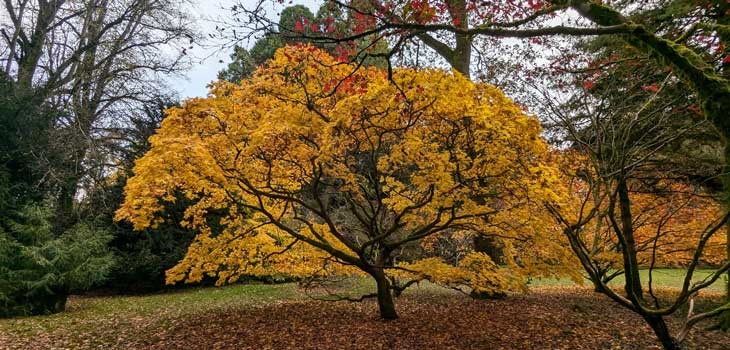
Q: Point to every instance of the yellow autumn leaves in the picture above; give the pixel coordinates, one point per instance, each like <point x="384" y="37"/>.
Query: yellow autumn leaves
<point x="315" y="166"/>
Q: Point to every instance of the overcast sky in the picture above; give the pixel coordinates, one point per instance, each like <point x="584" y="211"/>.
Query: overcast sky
<point x="207" y="58"/>
<point x="206" y="61"/>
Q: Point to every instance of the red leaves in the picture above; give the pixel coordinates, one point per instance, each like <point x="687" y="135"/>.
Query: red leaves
<point x="423" y="12"/>
<point x="363" y="22"/>
<point x="329" y="25"/>
<point x="589" y="85"/>
<point x="695" y="110"/>
<point x="343" y="50"/>
<point x="350" y="85"/>
<point x="300" y="25"/>
<point x="650" y="88"/>
<point x="536" y="5"/>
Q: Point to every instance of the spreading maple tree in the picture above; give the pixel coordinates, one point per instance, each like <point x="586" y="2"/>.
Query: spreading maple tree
<point x="450" y="29"/>
<point x="318" y="167"/>
<point x="688" y="40"/>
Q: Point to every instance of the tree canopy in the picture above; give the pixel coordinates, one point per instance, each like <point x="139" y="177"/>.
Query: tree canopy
<point x="315" y="165"/>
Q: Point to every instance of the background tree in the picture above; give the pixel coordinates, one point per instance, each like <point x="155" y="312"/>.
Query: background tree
<point x="89" y="59"/>
<point x="24" y="128"/>
<point x="636" y="203"/>
<point x="141" y="257"/>
<point x="241" y="66"/>
<point x="244" y="62"/>
<point x="72" y="72"/>
<point x="294" y="22"/>
<point x="38" y="269"/>
<point x="319" y="166"/>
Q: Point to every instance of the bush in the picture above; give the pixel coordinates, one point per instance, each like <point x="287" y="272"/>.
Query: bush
<point x="144" y="257"/>
<point x="38" y="270"/>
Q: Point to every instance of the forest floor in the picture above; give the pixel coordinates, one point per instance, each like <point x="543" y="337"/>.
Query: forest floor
<point x="258" y="316"/>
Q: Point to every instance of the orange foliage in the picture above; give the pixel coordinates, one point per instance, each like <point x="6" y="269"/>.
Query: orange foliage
<point x="669" y="218"/>
<point x="321" y="167"/>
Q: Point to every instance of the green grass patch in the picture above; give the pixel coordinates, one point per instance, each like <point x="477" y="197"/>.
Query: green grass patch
<point x="108" y="321"/>
<point x="148" y="310"/>
<point x="661" y="278"/>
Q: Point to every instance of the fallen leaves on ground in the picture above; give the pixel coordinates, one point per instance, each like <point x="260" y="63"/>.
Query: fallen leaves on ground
<point x="547" y="318"/>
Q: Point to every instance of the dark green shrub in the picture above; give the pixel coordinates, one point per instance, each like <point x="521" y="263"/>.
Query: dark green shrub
<point x="38" y="270"/>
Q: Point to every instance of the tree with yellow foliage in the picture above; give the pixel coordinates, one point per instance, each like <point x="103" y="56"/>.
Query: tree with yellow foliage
<point x="315" y="166"/>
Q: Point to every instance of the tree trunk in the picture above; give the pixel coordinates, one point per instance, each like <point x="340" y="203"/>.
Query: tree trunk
<point x="64" y="216"/>
<point x="661" y="331"/>
<point x="727" y="249"/>
<point x="628" y="244"/>
<point x="385" y="296"/>
<point x="725" y="178"/>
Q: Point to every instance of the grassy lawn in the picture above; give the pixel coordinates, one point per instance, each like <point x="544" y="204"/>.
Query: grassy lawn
<point x="145" y="314"/>
<point x="284" y="316"/>
<point x="661" y="278"/>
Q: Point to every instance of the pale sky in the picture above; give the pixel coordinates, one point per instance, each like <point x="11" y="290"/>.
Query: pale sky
<point x="206" y="59"/>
